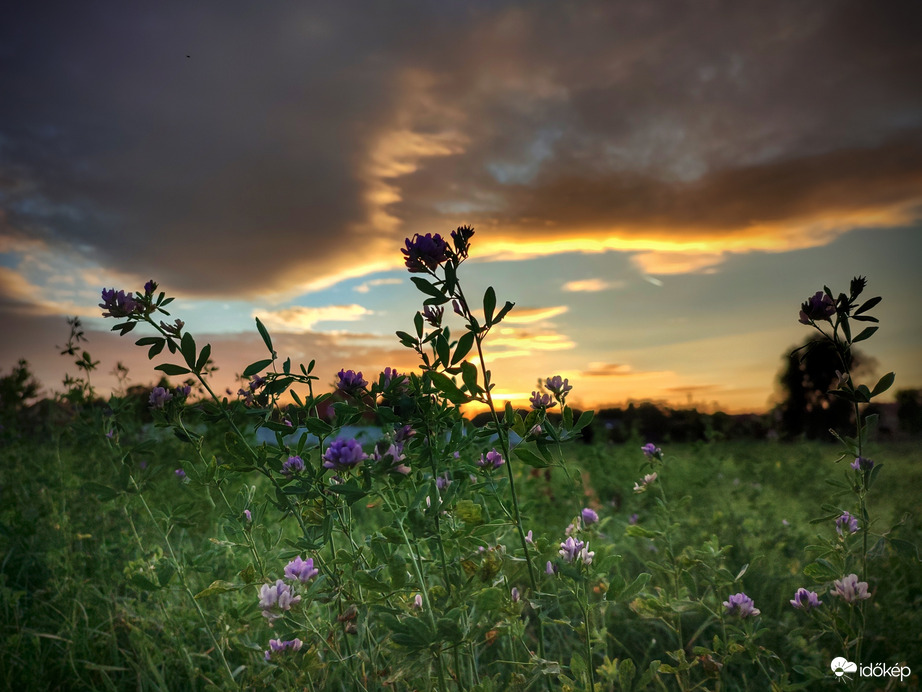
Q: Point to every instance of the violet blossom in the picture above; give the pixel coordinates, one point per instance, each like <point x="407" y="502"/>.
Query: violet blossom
<point x="741" y="605"/>
<point x="806" y="600"/>
<point x="491" y="459"/>
<point x="277" y="646"/>
<point x="301" y="570"/>
<point x="851" y="589"/>
<point x="423" y="253"/>
<point x="343" y="455"/>
<point x="275" y="599"/>
<point x="817" y="307"/>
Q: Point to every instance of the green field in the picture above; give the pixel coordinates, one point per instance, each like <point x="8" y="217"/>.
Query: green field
<point x="90" y="599"/>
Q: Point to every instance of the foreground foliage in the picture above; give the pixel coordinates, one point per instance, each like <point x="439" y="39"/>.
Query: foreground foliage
<point x="437" y="554"/>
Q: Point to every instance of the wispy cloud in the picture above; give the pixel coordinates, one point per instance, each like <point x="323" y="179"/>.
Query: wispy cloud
<point x="531" y="315"/>
<point x="373" y="283"/>
<point x="591" y="285"/>
<point x="300" y="319"/>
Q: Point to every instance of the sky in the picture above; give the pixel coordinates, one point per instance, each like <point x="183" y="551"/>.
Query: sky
<point x="657" y="186"/>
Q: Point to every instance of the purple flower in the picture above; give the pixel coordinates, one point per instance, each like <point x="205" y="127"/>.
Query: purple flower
<point x="275" y="599"/>
<point x="817" y="307"/>
<point x="404" y="433"/>
<point x="443" y="481"/>
<point x="458" y="307"/>
<point x="633" y="519"/>
<point x="418" y="601"/>
<point x="462" y="240"/>
<point x="424" y="253"/>
<point x="550" y="569"/>
<point x="651" y="451"/>
<point x="575" y="549"/>
<point x="119" y="303"/>
<point x="846" y="522"/>
<point x="589" y="516"/>
<point x="302" y="570"/>
<point x="862" y="464"/>
<point x="559" y="387"/>
<point x="491" y="459"/>
<point x="277" y="646"/>
<point x="740" y="604"/>
<point x="805" y="600"/>
<point x="158" y="397"/>
<point x="515" y="595"/>
<point x="351" y="382"/>
<point x="541" y="401"/>
<point x="248" y="515"/>
<point x="851" y="589"/>
<point x="180" y="474"/>
<point x="182" y="391"/>
<point x="293" y="466"/>
<point x="433" y="315"/>
<point x="391" y="375"/>
<point x="529" y="538"/>
<point x="343" y="455"/>
<point x="256" y="383"/>
<point x="150" y="287"/>
<point x="390" y="456"/>
<point x="172" y="329"/>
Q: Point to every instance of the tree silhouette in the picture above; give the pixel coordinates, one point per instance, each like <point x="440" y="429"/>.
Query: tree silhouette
<point x="809" y="373"/>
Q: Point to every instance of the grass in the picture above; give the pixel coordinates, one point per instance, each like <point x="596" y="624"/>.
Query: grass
<point x="87" y="601"/>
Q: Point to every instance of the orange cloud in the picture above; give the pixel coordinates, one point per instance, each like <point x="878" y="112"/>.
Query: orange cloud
<point x="591" y="285"/>
<point x="300" y="319"/>
<point x="531" y="315"/>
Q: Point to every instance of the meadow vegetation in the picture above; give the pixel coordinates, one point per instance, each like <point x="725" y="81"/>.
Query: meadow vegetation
<point x="162" y="546"/>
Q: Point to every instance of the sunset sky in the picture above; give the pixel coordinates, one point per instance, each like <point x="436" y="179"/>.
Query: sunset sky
<point x="656" y="185"/>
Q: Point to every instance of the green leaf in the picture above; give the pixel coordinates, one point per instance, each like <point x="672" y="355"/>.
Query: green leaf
<point x="530" y="458"/>
<point x="489" y="305"/>
<point x="155" y="349"/>
<point x="263" y="332"/>
<point x="631" y="590"/>
<point x="443" y="350"/>
<point x="217" y="587"/>
<point x="469" y="377"/>
<point x="465" y="343"/>
<point x="203" y="357"/>
<point x="502" y="313"/>
<point x="865" y="334"/>
<point x="578" y="666"/>
<point x="585" y="418"/>
<point x="883" y="384"/>
<point x="626" y="673"/>
<point x="170" y="369"/>
<point x="426" y="287"/>
<point x="187" y="349"/>
<point x="418" y="323"/>
<point x="868" y="305"/>
<point x="444" y="384"/>
<point x="256" y="367"/>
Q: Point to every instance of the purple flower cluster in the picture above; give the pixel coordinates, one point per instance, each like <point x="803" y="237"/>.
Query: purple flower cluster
<point x="391" y="457"/>
<point x="301" y="570"/>
<point x="343" y="455"/>
<point x="851" y="589"/>
<point x="741" y="605"/>
<point x="491" y="459"/>
<point x="275" y="599"/>
<point x="119" y="303"/>
<point x="351" y="382"/>
<point x="424" y="253"/>
<point x="574" y="549"/>
<point x="433" y="315"/>
<point x="172" y="329"/>
<point x="817" y="307"/>
<point x="558" y="387"/>
<point x="806" y="600"/>
<point x="541" y="401"/>
<point x="651" y="451"/>
<point x="158" y="397"/>
<point x="277" y="646"/>
<point x="846" y="522"/>
<point x="292" y="466"/>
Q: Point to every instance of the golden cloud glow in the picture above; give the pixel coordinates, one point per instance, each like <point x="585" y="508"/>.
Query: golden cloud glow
<point x="532" y="315"/>
<point x="300" y="319"/>
<point x="590" y="285"/>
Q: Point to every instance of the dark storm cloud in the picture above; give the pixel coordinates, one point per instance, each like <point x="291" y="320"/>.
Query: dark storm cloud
<point x="298" y="141"/>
